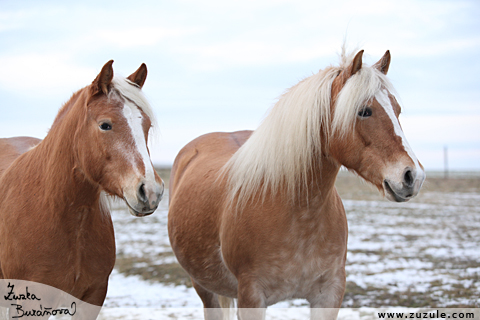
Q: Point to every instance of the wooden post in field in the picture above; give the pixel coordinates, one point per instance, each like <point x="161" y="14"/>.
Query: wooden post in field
<point x="445" y="160"/>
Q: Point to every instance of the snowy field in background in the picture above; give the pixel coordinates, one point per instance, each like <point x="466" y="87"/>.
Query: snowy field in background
<point x="424" y="253"/>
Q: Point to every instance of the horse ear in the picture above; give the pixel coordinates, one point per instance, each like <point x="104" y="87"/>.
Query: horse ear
<point x="357" y="63"/>
<point x="104" y="79"/>
<point x="383" y="64"/>
<point x="139" y="76"/>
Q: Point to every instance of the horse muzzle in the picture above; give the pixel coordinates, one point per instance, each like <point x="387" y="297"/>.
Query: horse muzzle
<point x="144" y="199"/>
<point x="406" y="187"/>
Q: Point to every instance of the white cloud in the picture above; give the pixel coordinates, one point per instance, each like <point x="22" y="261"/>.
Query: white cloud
<point x="18" y="19"/>
<point x="251" y="53"/>
<point x="12" y="20"/>
<point x="43" y="74"/>
<point x="143" y="36"/>
<point x="268" y="32"/>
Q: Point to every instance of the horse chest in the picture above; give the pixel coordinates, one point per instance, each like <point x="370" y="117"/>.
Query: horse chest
<point x="77" y="253"/>
<point x="303" y="260"/>
<point x="298" y="273"/>
<point x="93" y="248"/>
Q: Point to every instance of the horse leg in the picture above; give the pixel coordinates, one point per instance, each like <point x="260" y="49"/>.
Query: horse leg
<point x="94" y="298"/>
<point x="327" y="301"/>
<point x="251" y="300"/>
<point x="212" y="309"/>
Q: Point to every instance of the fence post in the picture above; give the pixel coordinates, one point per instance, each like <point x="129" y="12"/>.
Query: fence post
<point x="445" y="161"/>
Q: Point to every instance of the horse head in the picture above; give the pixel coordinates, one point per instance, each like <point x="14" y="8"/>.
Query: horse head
<point x="366" y="133"/>
<point x="111" y="144"/>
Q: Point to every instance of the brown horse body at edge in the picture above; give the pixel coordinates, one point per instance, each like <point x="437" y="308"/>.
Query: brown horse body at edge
<point x="255" y="216"/>
<point x="12" y="148"/>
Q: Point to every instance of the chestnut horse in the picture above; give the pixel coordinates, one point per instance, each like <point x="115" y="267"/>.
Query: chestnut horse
<point x="55" y="227"/>
<point x="255" y="216"/>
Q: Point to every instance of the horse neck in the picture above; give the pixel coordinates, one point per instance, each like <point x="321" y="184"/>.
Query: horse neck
<point x="64" y="185"/>
<point x="320" y="182"/>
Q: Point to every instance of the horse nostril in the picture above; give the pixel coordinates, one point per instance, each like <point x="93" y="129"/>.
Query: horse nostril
<point x="141" y="193"/>
<point x="408" y="178"/>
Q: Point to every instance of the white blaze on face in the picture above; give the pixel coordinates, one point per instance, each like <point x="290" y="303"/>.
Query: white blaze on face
<point x="384" y="101"/>
<point x="134" y="119"/>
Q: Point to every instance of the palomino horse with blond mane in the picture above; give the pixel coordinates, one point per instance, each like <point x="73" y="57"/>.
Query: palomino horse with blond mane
<point x="55" y="227"/>
<point x="255" y="216"/>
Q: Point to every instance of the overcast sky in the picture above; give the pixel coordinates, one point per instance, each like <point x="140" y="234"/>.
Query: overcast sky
<point x="220" y="65"/>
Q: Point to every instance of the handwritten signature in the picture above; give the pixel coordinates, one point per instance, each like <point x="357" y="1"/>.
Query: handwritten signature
<point x="12" y="296"/>
<point x="38" y="312"/>
<point x="42" y="312"/>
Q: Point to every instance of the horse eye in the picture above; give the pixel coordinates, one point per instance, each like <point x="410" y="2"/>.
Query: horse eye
<point x="106" y="126"/>
<point x="365" y="112"/>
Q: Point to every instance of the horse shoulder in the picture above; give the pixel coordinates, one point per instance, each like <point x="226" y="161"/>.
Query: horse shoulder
<point x="197" y="198"/>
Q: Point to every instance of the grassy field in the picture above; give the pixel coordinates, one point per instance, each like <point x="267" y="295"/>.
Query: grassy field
<point x="423" y="253"/>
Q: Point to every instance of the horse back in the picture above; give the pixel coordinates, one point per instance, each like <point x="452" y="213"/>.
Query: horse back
<point x="212" y="150"/>
<point x="11" y="148"/>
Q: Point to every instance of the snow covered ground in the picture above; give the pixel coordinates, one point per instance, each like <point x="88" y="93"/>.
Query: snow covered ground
<point x="424" y="253"/>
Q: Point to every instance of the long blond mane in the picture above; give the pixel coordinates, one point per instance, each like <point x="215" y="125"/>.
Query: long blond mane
<point x="281" y="151"/>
